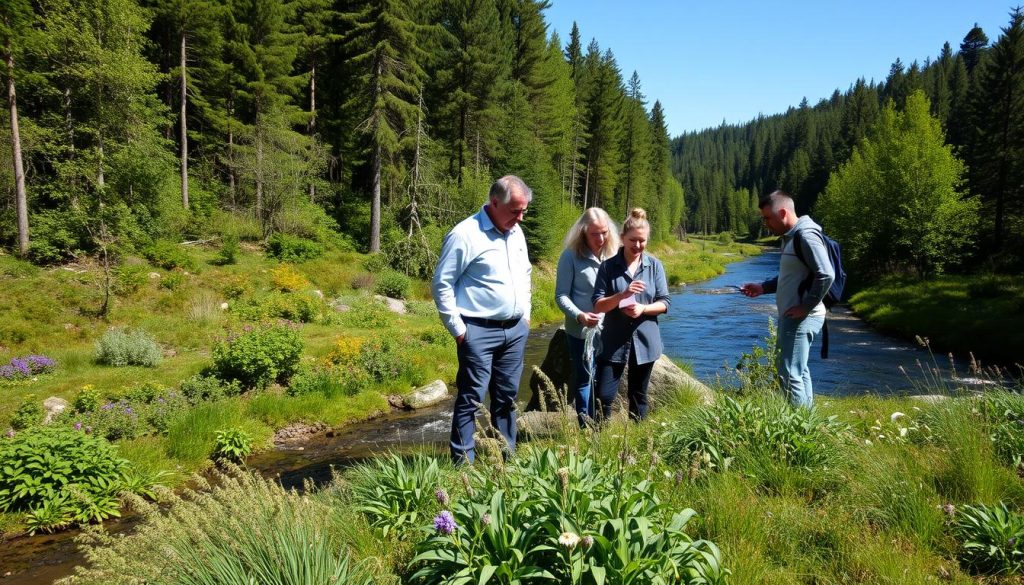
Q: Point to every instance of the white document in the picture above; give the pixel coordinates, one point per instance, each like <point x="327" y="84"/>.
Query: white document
<point x="627" y="302"/>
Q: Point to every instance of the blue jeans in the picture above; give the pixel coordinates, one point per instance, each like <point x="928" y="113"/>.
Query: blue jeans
<point x="490" y="360"/>
<point x="795" y="338"/>
<point x="579" y="381"/>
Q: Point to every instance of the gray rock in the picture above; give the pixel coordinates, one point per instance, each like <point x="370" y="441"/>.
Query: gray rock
<point x="52" y="407"/>
<point x="394" y="305"/>
<point x="429" y="395"/>
<point x="339" y="306"/>
<point x="666" y="378"/>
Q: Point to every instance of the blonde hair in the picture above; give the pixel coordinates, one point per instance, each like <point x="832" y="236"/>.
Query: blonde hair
<point x="576" y="239"/>
<point x="637" y="219"/>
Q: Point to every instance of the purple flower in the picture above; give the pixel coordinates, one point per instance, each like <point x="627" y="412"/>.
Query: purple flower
<point x="107" y="406"/>
<point x="10" y="433"/>
<point x="9" y="373"/>
<point x="445" y="523"/>
<point x="128" y="410"/>
<point x="21" y="366"/>
<point x="40" y="364"/>
<point x="441" y="496"/>
<point x="78" y="426"/>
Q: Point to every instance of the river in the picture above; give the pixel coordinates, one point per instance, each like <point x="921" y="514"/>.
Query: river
<point x="709" y="325"/>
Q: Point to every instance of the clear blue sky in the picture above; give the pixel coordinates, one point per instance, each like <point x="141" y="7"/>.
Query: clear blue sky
<point x="709" y="60"/>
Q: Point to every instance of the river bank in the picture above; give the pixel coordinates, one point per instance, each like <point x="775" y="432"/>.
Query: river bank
<point x="981" y="314"/>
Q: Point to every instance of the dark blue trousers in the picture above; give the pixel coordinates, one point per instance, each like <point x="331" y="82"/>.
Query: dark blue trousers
<point x="490" y="360"/>
<point x="607" y="386"/>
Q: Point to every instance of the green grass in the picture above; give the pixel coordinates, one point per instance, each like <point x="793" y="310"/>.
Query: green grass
<point x="983" y="314"/>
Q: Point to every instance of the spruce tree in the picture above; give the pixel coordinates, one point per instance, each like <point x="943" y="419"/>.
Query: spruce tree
<point x="15" y="22"/>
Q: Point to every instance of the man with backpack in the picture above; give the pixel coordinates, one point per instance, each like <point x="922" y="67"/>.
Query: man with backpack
<point x="805" y="277"/>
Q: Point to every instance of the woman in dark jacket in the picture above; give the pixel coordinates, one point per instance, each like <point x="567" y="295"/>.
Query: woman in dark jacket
<point x="631" y="289"/>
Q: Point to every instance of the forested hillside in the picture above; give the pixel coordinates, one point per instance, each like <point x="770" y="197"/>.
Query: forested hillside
<point x="371" y="124"/>
<point x="925" y="183"/>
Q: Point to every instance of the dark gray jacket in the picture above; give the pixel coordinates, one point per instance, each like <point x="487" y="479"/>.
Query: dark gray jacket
<point x="622" y="334"/>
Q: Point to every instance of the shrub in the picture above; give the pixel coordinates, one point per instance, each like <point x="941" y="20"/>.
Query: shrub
<point x="113" y="421"/>
<point x="88" y="399"/>
<point x="288" y="248"/>
<point x="413" y="257"/>
<point x="375" y="263"/>
<point x="725" y="238"/>
<point x="383" y="359"/>
<point x="368" y="313"/>
<point x="168" y="255"/>
<point x="172" y="281"/>
<point x="26" y="367"/>
<point x="235" y="287"/>
<point x="130" y="278"/>
<point x="29" y="414"/>
<point x="259" y="355"/>
<point x="363" y="280"/>
<point x="396" y="495"/>
<point x="991" y="539"/>
<point x="233" y="445"/>
<point x="134" y="348"/>
<point x="229" y="251"/>
<point x="328" y="381"/>
<point x="566" y="520"/>
<point x="200" y="388"/>
<point x="710" y="438"/>
<point x="44" y="464"/>
<point x="287" y="279"/>
<point x="393" y="284"/>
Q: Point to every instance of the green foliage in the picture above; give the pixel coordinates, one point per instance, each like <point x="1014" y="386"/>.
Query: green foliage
<point x="54" y="237"/>
<point x="133" y="348"/>
<point x="258" y="355"/>
<point x="29" y="414"/>
<point x="301" y="307"/>
<point x="169" y="255"/>
<point x="172" y="281"/>
<point x="87" y="400"/>
<point x="130" y="278"/>
<point x="329" y="382"/>
<point x="51" y="463"/>
<point x="393" y="284"/>
<point x="991" y="539"/>
<point x="397" y="495"/>
<point x="904" y="181"/>
<point x="244" y="530"/>
<point x="229" y="251"/>
<point x="415" y="257"/>
<point x="376" y="263"/>
<point x="565" y="519"/>
<point x="368" y="313"/>
<point x="710" y="438"/>
<point x="233" y="445"/>
<point x="203" y="388"/>
<point x="289" y="248"/>
<point x="757" y="370"/>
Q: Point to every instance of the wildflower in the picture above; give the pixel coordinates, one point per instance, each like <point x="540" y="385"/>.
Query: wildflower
<point x="10" y="433"/>
<point x="467" y="484"/>
<point x="563" y="476"/>
<point x="655" y="459"/>
<point x="78" y="426"/>
<point x="485" y="519"/>
<point x="587" y="541"/>
<point x="441" y="496"/>
<point x="569" y="540"/>
<point x="868" y="442"/>
<point x="903" y="431"/>
<point x="445" y="523"/>
<point x="679" y="476"/>
<point x="949" y="509"/>
<point x="896" y="416"/>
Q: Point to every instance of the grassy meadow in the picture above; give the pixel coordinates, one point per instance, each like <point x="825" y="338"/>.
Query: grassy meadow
<point x="165" y="417"/>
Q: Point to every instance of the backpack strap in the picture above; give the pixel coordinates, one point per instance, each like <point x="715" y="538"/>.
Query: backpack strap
<point x="799" y="251"/>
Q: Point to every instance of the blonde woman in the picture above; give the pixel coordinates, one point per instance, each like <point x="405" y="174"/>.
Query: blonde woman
<point x="631" y="289"/>
<point x="590" y="241"/>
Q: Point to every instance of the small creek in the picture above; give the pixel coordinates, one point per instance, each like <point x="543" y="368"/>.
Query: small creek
<point x="709" y="326"/>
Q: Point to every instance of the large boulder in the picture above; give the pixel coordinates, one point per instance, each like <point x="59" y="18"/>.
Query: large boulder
<point x="52" y="407"/>
<point x="666" y="378"/>
<point x="429" y="395"/>
<point x="394" y="305"/>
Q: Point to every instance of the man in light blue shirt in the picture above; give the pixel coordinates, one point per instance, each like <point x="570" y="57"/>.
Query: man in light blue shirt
<point x="482" y="290"/>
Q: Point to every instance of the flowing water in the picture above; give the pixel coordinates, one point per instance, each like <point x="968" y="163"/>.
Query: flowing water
<point x="709" y="325"/>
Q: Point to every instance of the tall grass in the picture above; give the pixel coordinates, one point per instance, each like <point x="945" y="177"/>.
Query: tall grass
<point x="191" y="438"/>
<point x="245" y="530"/>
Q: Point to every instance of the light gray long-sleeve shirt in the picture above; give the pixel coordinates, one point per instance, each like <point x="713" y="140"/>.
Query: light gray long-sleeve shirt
<point x="798" y="283"/>
<point x="574" y="287"/>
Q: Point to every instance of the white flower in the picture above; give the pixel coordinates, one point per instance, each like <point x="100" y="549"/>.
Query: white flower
<point x="903" y="431"/>
<point x="569" y="540"/>
<point x="223" y="306"/>
<point x="896" y="416"/>
<point x="868" y="442"/>
<point x="881" y="437"/>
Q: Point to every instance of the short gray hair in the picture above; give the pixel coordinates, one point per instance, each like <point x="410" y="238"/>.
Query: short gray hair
<point x="503" y="188"/>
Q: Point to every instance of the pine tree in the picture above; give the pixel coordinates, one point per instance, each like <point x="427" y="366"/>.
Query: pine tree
<point x="998" y="117"/>
<point x="383" y="37"/>
<point x="972" y="47"/>
<point x="635" y="187"/>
